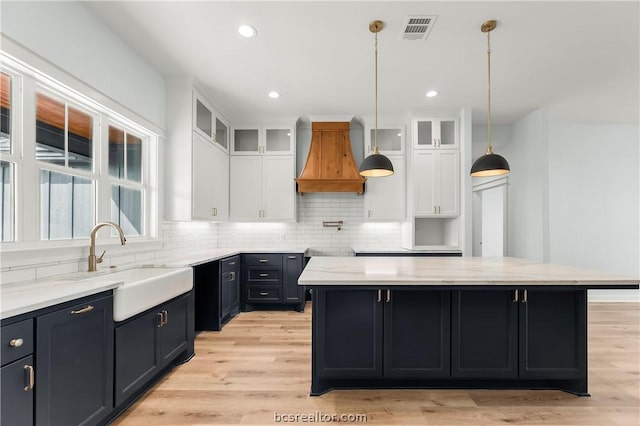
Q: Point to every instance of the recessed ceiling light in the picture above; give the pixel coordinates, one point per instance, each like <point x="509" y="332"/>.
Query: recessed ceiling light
<point x="247" y="31"/>
<point x="432" y="94"/>
<point x="274" y="95"/>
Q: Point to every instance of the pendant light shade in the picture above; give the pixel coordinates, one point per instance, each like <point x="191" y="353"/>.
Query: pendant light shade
<point x="489" y="164"/>
<point x="376" y="165"/>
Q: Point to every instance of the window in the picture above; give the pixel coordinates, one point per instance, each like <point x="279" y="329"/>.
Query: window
<point x="5" y="113"/>
<point x="125" y="170"/>
<point x="64" y="134"/>
<point x="66" y="203"/>
<point x="7" y="164"/>
<point x="68" y="162"/>
<point x="6" y="194"/>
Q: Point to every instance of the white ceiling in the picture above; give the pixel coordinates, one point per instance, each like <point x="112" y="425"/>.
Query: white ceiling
<point x="579" y="58"/>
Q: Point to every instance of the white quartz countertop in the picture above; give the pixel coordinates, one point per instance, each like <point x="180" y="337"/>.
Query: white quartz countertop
<point x="451" y="271"/>
<point x="20" y="297"/>
<point x="27" y="296"/>
<point x="199" y="257"/>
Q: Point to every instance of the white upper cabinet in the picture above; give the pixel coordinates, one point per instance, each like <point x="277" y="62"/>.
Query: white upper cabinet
<point x="384" y="197"/>
<point x="263" y="140"/>
<point x="208" y="123"/>
<point x="436" y="183"/>
<point x="391" y="139"/>
<point x="262" y="188"/>
<point x="210" y="170"/>
<point x="196" y="158"/>
<point x="435" y="133"/>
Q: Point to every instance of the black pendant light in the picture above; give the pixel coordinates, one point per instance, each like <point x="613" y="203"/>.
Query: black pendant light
<point x="376" y="165"/>
<point x="489" y="164"/>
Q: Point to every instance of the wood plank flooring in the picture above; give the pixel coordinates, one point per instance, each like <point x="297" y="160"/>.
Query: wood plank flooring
<point x="258" y="366"/>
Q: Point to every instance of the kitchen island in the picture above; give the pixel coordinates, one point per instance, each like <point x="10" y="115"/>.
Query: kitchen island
<point x="411" y="322"/>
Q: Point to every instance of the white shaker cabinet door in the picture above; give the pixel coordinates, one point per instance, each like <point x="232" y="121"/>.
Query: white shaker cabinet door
<point x="245" y="188"/>
<point x="385" y="196"/>
<point x="279" y="188"/>
<point x="203" y="178"/>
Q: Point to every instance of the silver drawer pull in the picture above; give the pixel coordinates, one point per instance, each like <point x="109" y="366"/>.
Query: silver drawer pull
<point x="29" y="369"/>
<point x="83" y="310"/>
<point x="161" y="320"/>
<point x="292" y="257"/>
<point x="264" y="293"/>
<point x="231" y="263"/>
<point x="16" y="343"/>
<point x="264" y="275"/>
<point x="263" y="260"/>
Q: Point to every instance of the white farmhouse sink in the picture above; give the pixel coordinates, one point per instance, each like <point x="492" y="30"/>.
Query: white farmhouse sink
<point x="145" y="288"/>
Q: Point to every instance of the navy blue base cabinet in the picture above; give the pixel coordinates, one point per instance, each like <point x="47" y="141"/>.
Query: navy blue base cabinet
<point x="74" y="364"/>
<point x="270" y="280"/>
<point x="17" y="375"/>
<point x="148" y="343"/>
<point x="217" y="293"/>
<point x="381" y="333"/>
<point x="426" y="337"/>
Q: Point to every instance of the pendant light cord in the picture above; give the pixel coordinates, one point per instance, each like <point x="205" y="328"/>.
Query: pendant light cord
<point x="375" y="133"/>
<point x="489" y="146"/>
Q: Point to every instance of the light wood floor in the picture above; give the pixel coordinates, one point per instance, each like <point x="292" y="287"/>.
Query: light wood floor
<point x="259" y="364"/>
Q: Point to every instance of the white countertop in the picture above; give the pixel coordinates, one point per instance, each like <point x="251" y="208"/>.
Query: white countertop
<point x="454" y="271"/>
<point x="400" y="250"/>
<point x="20" y="297"/>
<point x="27" y="296"/>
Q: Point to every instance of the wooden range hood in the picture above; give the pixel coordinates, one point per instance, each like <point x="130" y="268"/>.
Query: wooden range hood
<point x="330" y="166"/>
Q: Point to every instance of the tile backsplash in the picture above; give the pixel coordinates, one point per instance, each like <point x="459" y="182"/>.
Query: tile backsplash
<point x="178" y="237"/>
<point x="308" y="232"/>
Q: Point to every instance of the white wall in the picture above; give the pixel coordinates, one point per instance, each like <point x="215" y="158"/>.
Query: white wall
<point x="594" y="197"/>
<point x="69" y="36"/>
<point x="574" y="194"/>
<point x="527" y="156"/>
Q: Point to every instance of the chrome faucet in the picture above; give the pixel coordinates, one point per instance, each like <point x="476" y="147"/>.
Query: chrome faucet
<point x="93" y="260"/>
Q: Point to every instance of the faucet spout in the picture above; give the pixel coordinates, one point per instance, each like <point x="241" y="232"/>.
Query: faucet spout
<point x="93" y="260"/>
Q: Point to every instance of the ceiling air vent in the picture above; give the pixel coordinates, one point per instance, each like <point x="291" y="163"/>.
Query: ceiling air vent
<point x="417" y="27"/>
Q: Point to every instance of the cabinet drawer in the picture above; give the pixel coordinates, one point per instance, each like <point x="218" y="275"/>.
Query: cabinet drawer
<point x="265" y="275"/>
<point x="229" y="263"/>
<point x="17" y="341"/>
<point x="263" y="259"/>
<point x="263" y="294"/>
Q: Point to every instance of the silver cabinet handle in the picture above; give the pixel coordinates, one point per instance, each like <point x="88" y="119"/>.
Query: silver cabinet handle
<point x="231" y="263"/>
<point x="161" y="320"/>
<point x="379" y="295"/>
<point x="263" y="293"/>
<point x="515" y="296"/>
<point x="292" y="257"/>
<point x="232" y="276"/>
<point x="16" y="343"/>
<point x="388" y="296"/>
<point x="83" y="310"/>
<point x="29" y="369"/>
<point x="525" y="297"/>
<point x="264" y="275"/>
<point x="263" y="260"/>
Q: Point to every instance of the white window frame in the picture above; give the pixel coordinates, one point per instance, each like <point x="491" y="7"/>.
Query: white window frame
<point x="26" y="82"/>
